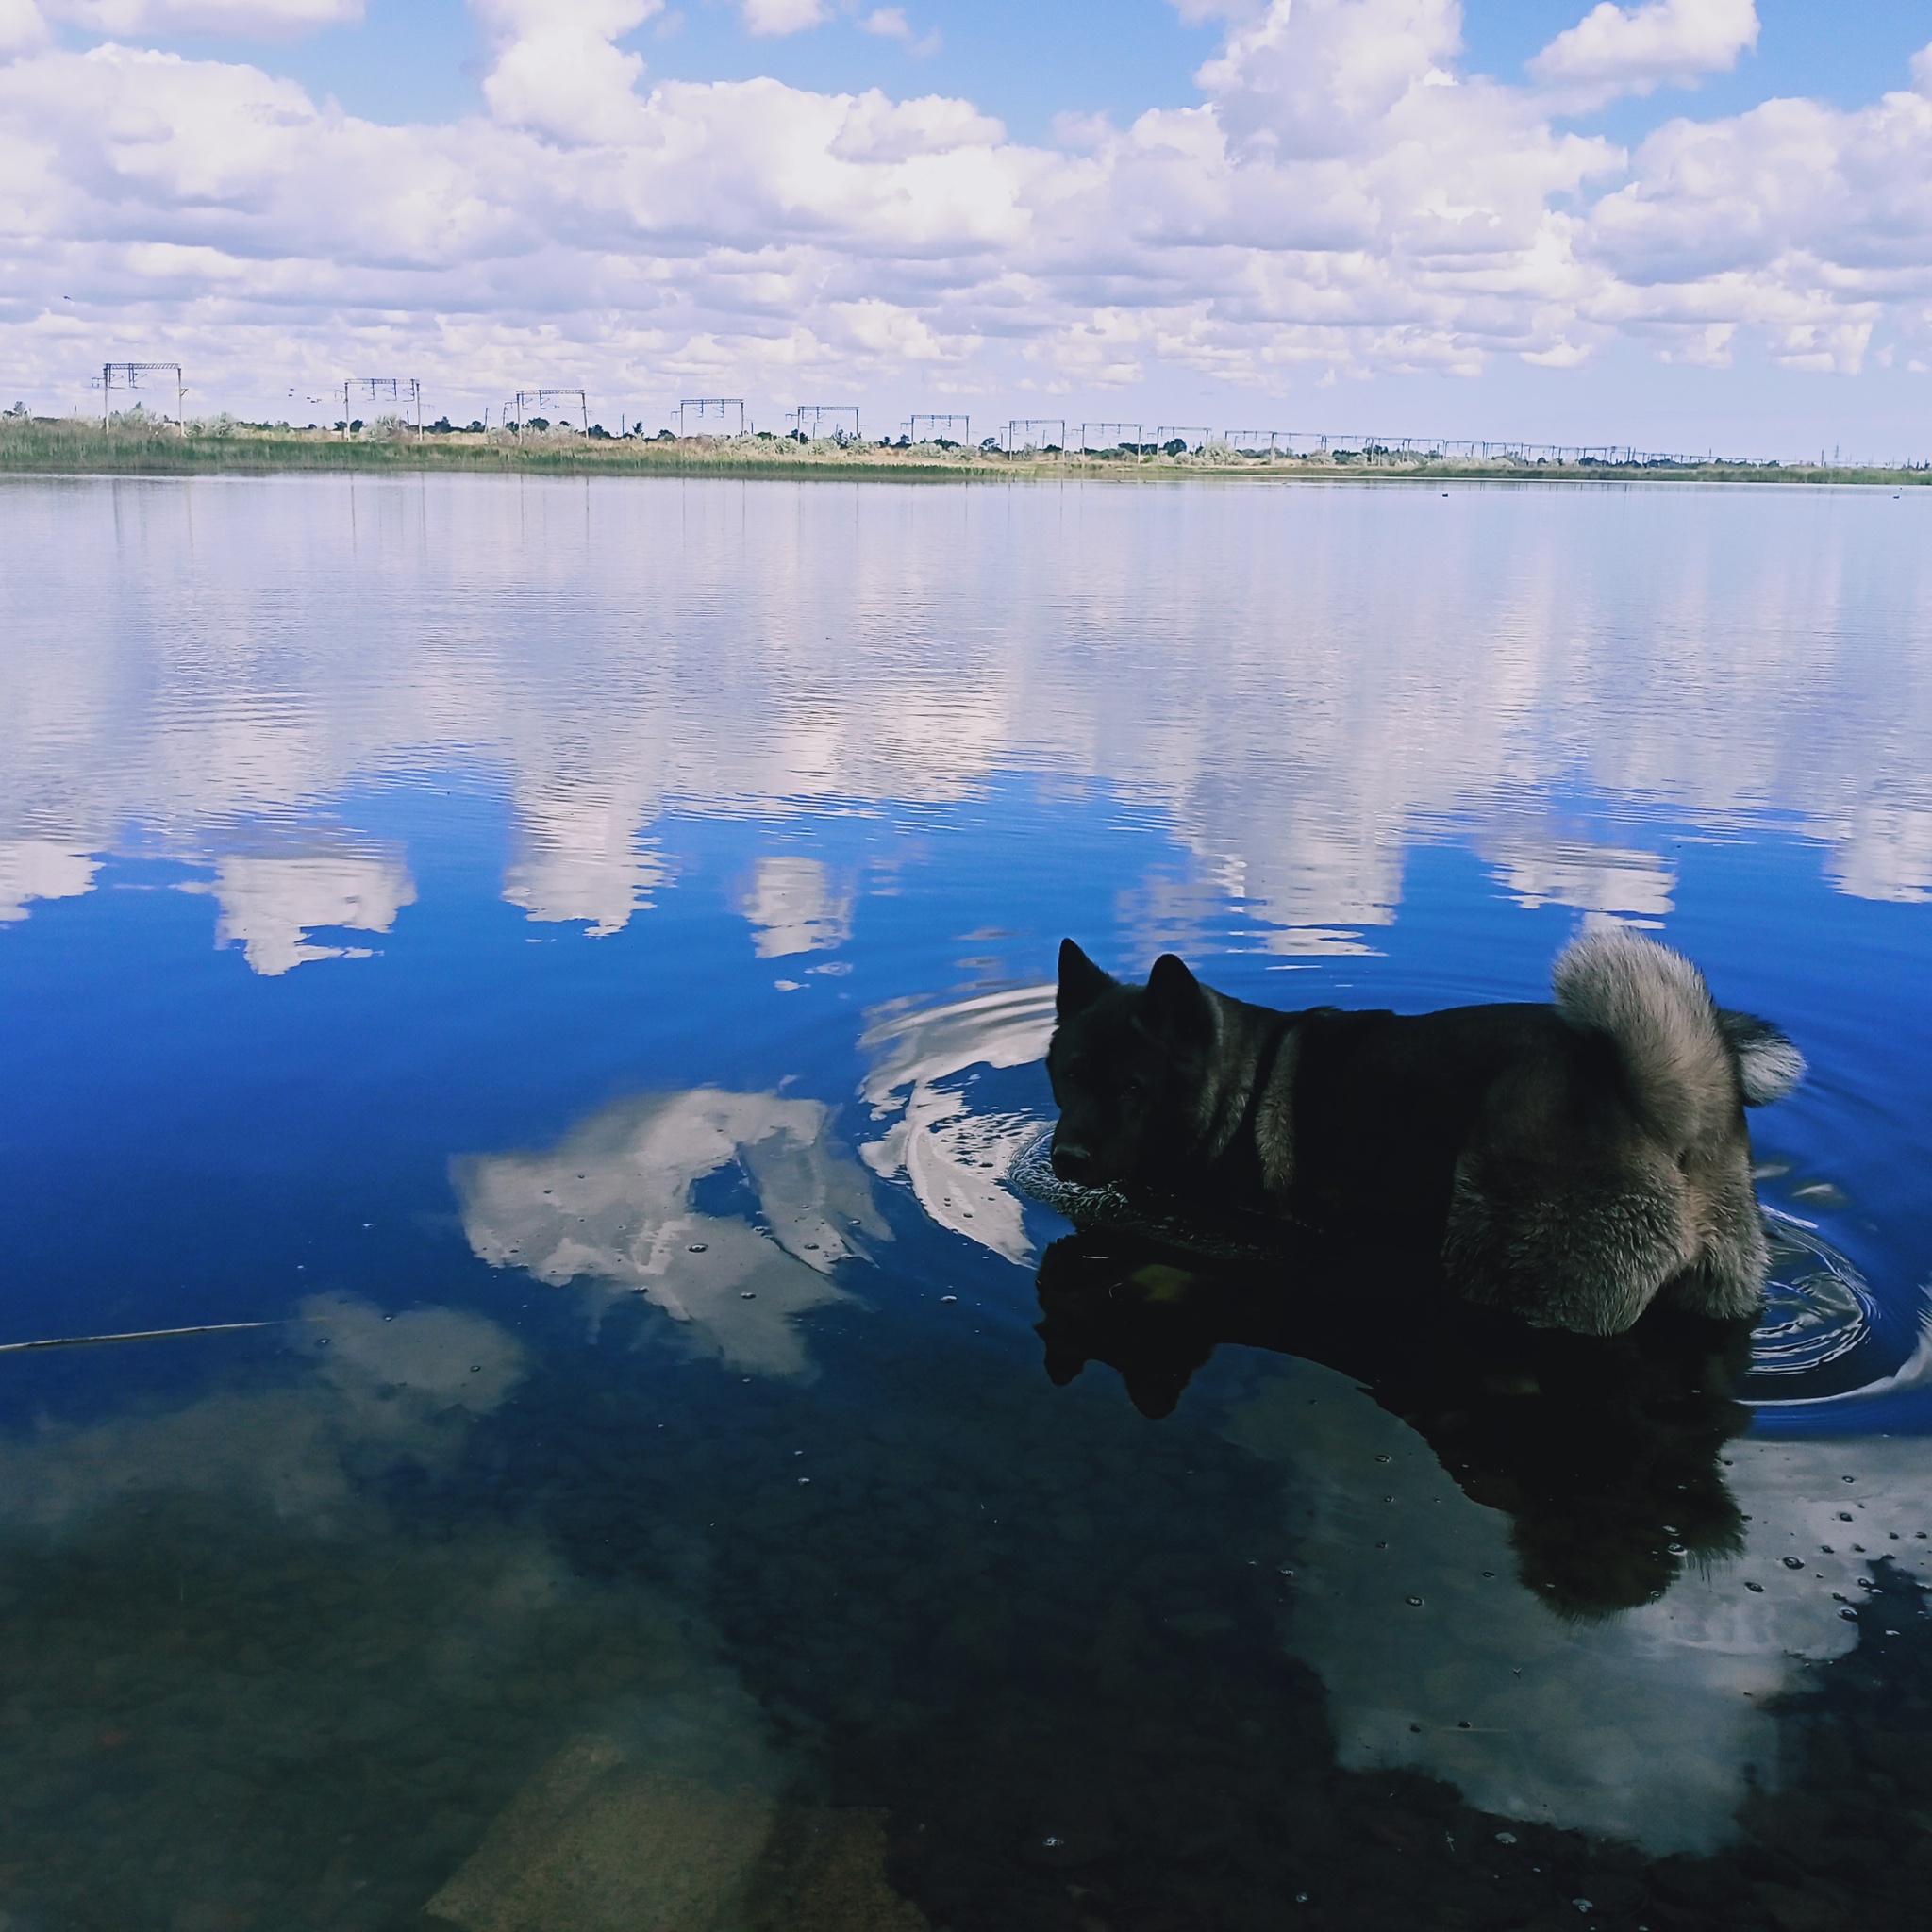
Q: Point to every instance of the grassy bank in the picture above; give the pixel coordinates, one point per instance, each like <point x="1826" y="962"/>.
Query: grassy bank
<point x="67" y="446"/>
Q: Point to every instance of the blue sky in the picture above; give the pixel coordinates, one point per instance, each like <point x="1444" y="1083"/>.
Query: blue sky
<point x="1310" y="213"/>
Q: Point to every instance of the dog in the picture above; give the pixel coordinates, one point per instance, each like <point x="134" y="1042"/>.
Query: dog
<point x="1570" y="1162"/>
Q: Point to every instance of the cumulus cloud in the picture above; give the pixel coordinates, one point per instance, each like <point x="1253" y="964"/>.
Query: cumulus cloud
<point x="1343" y="197"/>
<point x="891" y="24"/>
<point x="266" y="19"/>
<point x="22" y="26"/>
<point x="783" y="16"/>
<point x="611" y="1207"/>
<point x="1615" y="50"/>
<point x="557" y="71"/>
<point x="269" y="905"/>
<point x="40" y="869"/>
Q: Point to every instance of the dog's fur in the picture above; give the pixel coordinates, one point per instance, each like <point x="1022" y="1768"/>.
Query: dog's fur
<point x="1570" y="1162"/>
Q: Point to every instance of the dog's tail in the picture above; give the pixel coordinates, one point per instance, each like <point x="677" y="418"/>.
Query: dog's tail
<point x="1687" y="1063"/>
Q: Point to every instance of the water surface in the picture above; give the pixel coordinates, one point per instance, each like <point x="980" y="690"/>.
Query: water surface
<point x="570" y="959"/>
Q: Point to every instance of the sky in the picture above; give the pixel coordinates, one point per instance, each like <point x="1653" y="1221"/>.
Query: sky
<point x="1678" y="224"/>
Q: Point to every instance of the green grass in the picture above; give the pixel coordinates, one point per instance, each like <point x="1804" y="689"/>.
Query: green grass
<point x="71" y="446"/>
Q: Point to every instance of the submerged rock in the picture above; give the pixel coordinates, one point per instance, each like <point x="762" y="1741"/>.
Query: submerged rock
<point x="597" y="1843"/>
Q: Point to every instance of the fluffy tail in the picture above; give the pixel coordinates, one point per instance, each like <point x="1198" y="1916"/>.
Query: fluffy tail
<point x="1688" y="1065"/>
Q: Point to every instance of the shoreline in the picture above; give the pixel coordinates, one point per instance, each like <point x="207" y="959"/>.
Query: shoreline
<point x="66" y="448"/>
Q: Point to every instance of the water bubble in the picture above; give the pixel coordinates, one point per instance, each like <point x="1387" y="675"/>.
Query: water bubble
<point x="1415" y="1727"/>
<point x="949" y="1298"/>
<point x="1505" y="1838"/>
<point x="322" y="1342"/>
<point x="1845" y="1515"/>
<point x="1675" y="1549"/>
<point x="1385" y="1458"/>
<point x="1583" y="1905"/>
<point x="1051" y="1842"/>
<point x="695" y="1248"/>
<point x="1301" y="1898"/>
<point x="1381" y="1546"/>
<point x="1756" y="1587"/>
<point x="1848" y="1478"/>
<point x="747" y="1295"/>
<point x="1415" y="1603"/>
<point x="476" y="1368"/>
<point x="1850" y="1615"/>
<point x="805" y="1480"/>
<point x="1462" y="1724"/>
<point x="1489" y="1573"/>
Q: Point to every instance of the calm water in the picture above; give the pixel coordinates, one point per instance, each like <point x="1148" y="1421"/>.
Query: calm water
<point x="570" y="961"/>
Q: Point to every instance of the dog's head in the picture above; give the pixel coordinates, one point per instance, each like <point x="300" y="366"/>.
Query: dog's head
<point x="1131" y="1068"/>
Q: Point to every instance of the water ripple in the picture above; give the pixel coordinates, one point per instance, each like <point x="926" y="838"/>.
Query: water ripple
<point x="1817" y="1306"/>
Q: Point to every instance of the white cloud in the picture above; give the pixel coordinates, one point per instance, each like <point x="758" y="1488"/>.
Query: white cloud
<point x="23" y="26"/>
<point x="1652" y="1725"/>
<point x="891" y="24"/>
<point x="783" y="16"/>
<point x="556" y="70"/>
<point x="1615" y="50"/>
<point x="269" y="905"/>
<point x="794" y="906"/>
<point x="610" y="1206"/>
<point x="263" y="19"/>
<point x="40" y="869"/>
<point x="1344" y="198"/>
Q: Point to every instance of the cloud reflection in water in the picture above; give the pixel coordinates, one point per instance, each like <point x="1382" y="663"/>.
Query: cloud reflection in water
<point x="612" y="1205"/>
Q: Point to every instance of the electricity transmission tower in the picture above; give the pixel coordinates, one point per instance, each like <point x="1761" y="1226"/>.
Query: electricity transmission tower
<point x="127" y="376"/>
<point x="1023" y="433"/>
<point x="813" y="420"/>
<point x="705" y="410"/>
<point x="528" y="399"/>
<point x="402" y="389"/>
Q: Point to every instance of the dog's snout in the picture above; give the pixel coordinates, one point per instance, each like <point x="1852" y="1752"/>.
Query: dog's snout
<point x="1071" y="1160"/>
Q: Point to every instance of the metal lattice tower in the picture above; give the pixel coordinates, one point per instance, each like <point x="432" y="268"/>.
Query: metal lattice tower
<point x="939" y="429"/>
<point x="1111" y="435"/>
<point x="709" y="408"/>
<point x="127" y="376"/>
<point x="402" y="389"/>
<point x="1194" y="439"/>
<point x="528" y="399"/>
<point x="813" y="420"/>
<point x="1021" y="433"/>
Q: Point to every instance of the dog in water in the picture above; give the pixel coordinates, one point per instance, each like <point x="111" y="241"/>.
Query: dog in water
<point x="1571" y="1161"/>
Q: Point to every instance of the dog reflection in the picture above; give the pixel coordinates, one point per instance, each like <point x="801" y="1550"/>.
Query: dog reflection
<point x="1603" y="1451"/>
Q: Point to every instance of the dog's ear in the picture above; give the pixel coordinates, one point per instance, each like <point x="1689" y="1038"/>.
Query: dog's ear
<point x="1081" y="981"/>
<point x="1176" y="1005"/>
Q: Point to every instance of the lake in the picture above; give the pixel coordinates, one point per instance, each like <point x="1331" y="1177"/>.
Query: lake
<point x="568" y="964"/>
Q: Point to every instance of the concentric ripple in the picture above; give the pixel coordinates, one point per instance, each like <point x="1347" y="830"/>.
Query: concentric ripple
<point x="1817" y="1307"/>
